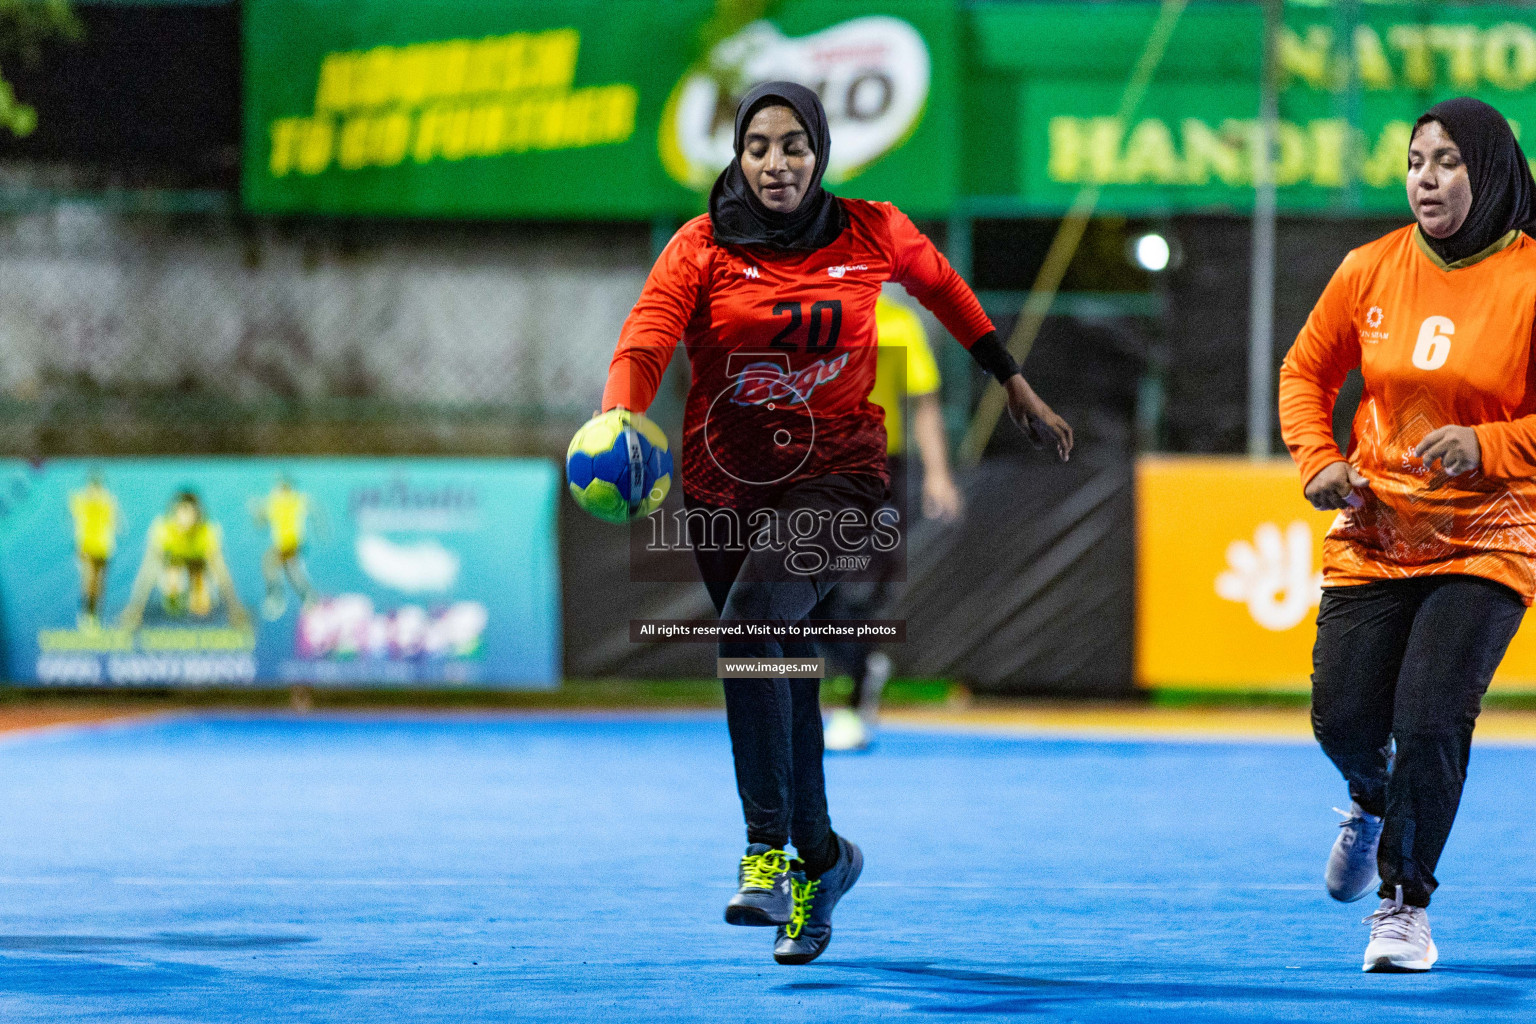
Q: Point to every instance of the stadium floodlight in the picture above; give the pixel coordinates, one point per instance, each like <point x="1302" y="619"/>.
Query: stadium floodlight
<point x="1152" y="252"/>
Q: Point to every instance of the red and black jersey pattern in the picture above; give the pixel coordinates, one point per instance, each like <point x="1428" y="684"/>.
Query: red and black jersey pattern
<point x="782" y="348"/>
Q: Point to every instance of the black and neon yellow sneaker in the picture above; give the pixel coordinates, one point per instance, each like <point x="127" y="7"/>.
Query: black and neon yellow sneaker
<point x="762" y="897"/>
<point x="809" y="930"/>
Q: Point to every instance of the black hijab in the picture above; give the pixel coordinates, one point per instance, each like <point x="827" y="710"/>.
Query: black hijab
<point x="1503" y="194"/>
<point x="735" y="212"/>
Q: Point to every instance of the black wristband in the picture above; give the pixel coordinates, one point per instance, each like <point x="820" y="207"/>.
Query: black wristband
<point x="991" y="356"/>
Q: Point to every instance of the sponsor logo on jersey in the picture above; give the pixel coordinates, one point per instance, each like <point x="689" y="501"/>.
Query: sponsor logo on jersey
<point x="873" y="73"/>
<point x="840" y="271"/>
<point x="1373" y="319"/>
<point x="752" y="272"/>
<point x="761" y="383"/>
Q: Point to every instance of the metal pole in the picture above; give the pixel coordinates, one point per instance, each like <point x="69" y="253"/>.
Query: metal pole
<point x="959" y="382"/>
<point x="1261" y="301"/>
<point x="1347" y="105"/>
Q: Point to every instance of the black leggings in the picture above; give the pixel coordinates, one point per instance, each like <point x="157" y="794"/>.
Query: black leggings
<point x="1408" y="661"/>
<point x="775" y="724"/>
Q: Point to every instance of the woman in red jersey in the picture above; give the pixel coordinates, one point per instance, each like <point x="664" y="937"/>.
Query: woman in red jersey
<point x="1431" y="563"/>
<point x="783" y="470"/>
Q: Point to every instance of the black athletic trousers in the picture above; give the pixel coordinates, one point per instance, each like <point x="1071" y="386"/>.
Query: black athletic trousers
<point x="775" y="724"/>
<point x="1406" y="662"/>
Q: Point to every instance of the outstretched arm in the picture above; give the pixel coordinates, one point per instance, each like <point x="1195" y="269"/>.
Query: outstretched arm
<point x="653" y="327"/>
<point x="920" y="268"/>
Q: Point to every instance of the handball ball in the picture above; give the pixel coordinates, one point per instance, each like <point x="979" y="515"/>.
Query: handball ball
<point x="618" y="466"/>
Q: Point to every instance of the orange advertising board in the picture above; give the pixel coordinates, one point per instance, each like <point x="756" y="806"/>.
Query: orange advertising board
<point x="1229" y="573"/>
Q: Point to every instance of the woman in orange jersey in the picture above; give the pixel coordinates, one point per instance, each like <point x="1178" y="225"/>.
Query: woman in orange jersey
<point x="784" y="457"/>
<point x="1432" y="561"/>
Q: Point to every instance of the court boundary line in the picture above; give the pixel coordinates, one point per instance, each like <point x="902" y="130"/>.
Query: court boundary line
<point x="1123" y="725"/>
<point x="1115" y="728"/>
<point x="57" y="730"/>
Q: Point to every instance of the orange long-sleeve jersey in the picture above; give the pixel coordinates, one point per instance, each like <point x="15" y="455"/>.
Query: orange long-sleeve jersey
<point x="1436" y="345"/>
<point x="782" y="349"/>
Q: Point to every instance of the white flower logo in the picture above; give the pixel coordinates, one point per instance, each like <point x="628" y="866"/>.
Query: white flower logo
<point x="1273" y="576"/>
<point x="1373" y="316"/>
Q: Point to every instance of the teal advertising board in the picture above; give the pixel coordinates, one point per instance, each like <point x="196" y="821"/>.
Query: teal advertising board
<point x="580" y="108"/>
<point x="242" y="572"/>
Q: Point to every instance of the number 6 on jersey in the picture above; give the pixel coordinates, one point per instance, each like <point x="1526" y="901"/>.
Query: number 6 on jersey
<point x="1434" y="345"/>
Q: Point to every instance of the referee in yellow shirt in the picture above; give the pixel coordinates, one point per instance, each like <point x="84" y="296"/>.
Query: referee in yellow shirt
<point x="906" y="370"/>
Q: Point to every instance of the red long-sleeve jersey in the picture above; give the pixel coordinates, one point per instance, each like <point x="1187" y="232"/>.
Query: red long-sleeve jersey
<point x="782" y="349"/>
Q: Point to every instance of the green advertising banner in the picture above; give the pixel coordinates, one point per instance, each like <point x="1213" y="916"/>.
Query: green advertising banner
<point x="1351" y="91"/>
<point x="580" y="108"/>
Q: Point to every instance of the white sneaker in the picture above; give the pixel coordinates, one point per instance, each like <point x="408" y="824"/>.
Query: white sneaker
<point x="1351" y="871"/>
<point x="845" y="731"/>
<point x="1400" y="939"/>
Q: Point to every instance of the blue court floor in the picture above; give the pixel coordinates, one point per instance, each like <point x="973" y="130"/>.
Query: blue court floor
<point x="348" y="869"/>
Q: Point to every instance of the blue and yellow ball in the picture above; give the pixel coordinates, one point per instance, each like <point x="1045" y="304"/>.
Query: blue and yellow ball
<point x="618" y="466"/>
